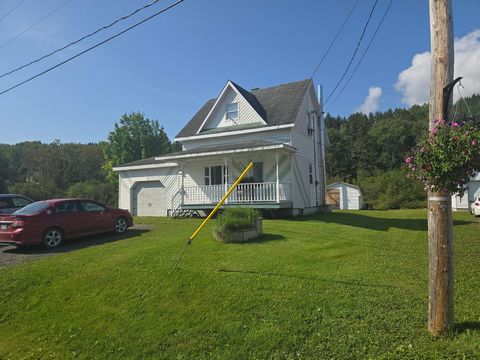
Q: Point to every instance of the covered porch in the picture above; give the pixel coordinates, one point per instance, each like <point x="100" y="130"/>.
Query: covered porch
<point x="206" y="175"/>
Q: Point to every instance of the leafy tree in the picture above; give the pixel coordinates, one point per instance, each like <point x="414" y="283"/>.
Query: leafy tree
<point x="135" y="137"/>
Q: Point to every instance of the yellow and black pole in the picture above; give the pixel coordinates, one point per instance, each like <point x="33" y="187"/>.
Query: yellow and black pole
<point x="204" y="222"/>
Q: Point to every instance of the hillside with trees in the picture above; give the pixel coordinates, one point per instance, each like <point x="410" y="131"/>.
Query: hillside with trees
<point x="369" y="151"/>
<point x="43" y="171"/>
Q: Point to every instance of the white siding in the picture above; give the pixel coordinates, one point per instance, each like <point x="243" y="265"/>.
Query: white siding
<point x="309" y="152"/>
<point x="246" y="114"/>
<point x="195" y="169"/>
<point x="167" y="176"/>
<point x="280" y="136"/>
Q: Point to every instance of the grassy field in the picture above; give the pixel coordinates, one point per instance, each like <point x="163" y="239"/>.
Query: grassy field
<point x="344" y="285"/>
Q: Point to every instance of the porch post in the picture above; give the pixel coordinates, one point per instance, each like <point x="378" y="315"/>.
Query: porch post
<point x="225" y="177"/>
<point x="278" y="180"/>
<point x="182" y="187"/>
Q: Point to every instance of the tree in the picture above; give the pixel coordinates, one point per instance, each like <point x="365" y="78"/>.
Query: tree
<point x="134" y="138"/>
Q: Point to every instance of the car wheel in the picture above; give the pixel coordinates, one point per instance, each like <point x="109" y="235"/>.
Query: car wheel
<point x="121" y="225"/>
<point x="52" y="238"/>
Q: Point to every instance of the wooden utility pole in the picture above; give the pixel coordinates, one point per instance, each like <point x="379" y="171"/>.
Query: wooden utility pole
<point x="440" y="234"/>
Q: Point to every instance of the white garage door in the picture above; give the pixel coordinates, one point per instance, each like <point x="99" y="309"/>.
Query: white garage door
<point x="148" y="199"/>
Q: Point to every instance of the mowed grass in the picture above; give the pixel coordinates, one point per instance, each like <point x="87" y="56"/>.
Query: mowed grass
<point x="344" y="285"/>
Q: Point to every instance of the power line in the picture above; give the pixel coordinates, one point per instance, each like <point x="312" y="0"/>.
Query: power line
<point x="11" y="10"/>
<point x="363" y="55"/>
<point x="34" y="24"/>
<point x="92" y="47"/>
<point x="79" y="40"/>
<point x="355" y="52"/>
<point x="334" y="39"/>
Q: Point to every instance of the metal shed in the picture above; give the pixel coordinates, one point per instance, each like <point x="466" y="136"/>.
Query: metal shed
<point x="341" y="195"/>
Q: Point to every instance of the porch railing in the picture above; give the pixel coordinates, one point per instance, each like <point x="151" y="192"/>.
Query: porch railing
<point x="243" y="193"/>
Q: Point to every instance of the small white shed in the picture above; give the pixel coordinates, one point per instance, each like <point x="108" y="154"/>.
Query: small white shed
<point x="342" y="195"/>
<point x="473" y="191"/>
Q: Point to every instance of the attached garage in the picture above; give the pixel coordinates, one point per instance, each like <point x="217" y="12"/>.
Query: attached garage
<point x="341" y="195"/>
<point x="148" y="199"/>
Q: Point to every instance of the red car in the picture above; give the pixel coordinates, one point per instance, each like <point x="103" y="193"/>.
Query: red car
<point x="50" y="222"/>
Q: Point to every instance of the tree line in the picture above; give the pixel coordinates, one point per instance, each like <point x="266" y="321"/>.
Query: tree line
<point x="369" y="151"/>
<point x="43" y="171"/>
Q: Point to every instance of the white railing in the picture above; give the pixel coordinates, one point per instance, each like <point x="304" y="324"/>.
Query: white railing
<point x="243" y="193"/>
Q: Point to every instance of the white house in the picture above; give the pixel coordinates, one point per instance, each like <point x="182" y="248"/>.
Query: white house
<point x="279" y="128"/>
<point x="473" y="191"/>
<point x="344" y="196"/>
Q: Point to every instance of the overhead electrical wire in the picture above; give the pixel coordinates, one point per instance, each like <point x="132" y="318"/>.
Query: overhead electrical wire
<point x="92" y="47"/>
<point x="79" y="40"/>
<point x="355" y="52"/>
<point x="11" y="10"/>
<point x="364" y="53"/>
<point x="8" y="42"/>
<point x="334" y="39"/>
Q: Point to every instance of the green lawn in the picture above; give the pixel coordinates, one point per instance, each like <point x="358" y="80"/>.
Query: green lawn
<point x="344" y="285"/>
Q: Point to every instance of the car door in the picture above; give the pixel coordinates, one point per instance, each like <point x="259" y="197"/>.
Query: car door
<point x="68" y="217"/>
<point x="98" y="217"/>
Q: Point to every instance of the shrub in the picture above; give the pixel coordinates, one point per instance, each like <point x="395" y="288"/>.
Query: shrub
<point x="36" y="191"/>
<point x="102" y="192"/>
<point x="235" y="219"/>
<point x="392" y="190"/>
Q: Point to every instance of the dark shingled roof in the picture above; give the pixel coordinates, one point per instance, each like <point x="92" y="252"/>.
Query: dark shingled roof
<point x="277" y="105"/>
<point x="205" y="149"/>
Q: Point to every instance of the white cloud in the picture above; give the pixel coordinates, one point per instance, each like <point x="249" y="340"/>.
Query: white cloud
<point x="413" y="82"/>
<point x="371" y="101"/>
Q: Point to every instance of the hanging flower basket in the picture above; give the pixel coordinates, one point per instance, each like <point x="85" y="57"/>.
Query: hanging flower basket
<point x="448" y="157"/>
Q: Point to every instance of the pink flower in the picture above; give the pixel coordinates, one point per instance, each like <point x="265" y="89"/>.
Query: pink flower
<point x="408" y="175"/>
<point x="455" y="124"/>
<point x="474" y="142"/>
<point x="408" y="160"/>
<point x="434" y="130"/>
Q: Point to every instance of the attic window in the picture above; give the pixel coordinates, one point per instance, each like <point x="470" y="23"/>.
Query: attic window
<point x="232" y="111"/>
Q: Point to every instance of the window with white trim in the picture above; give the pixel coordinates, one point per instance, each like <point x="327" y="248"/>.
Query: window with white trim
<point x="215" y="175"/>
<point x="310" y="173"/>
<point x="232" y="111"/>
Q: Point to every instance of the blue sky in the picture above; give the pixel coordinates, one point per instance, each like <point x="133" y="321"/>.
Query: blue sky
<point x="168" y="67"/>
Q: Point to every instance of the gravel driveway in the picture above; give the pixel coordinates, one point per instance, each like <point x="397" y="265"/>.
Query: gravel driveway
<point x="11" y="255"/>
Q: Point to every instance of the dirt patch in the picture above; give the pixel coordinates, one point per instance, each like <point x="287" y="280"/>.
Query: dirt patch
<point x="12" y="255"/>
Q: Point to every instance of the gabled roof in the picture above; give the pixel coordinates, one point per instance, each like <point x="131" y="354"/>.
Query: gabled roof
<point x="278" y="105"/>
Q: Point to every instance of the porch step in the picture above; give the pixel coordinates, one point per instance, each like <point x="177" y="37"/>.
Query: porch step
<point x="180" y="213"/>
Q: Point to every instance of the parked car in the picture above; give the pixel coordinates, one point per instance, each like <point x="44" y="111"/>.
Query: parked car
<point x="50" y="222"/>
<point x="9" y="203"/>
<point x="475" y="206"/>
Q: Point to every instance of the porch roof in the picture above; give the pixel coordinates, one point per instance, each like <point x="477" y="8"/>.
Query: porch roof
<point x="226" y="149"/>
<point x="167" y="160"/>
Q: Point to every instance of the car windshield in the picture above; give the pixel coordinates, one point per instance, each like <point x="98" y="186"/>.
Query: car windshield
<point x="32" y="209"/>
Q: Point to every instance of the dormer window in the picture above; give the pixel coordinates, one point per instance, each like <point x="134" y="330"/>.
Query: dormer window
<point x="232" y="111"/>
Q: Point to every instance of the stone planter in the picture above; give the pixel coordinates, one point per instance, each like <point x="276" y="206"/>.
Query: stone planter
<point x="241" y="235"/>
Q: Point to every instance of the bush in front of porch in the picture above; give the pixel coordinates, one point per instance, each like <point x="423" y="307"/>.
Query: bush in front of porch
<point x="237" y="220"/>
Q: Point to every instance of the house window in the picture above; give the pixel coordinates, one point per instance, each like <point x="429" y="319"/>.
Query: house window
<point x="255" y="174"/>
<point x="215" y="175"/>
<point x="232" y="111"/>
<point x="310" y="173"/>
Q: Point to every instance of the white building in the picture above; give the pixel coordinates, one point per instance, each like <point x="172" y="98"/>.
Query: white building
<point x="473" y="191"/>
<point x="344" y="196"/>
<point x="279" y="128"/>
